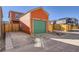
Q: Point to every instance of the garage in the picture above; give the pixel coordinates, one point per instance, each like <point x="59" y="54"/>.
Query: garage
<point x="34" y="21"/>
<point x="39" y="26"/>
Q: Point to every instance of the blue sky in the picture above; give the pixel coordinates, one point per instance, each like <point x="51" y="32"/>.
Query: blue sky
<point x="55" y="12"/>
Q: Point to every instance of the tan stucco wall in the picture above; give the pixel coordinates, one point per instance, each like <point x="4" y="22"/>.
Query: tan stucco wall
<point x="26" y="22"/>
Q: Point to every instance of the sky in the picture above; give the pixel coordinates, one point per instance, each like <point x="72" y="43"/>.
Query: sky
<point x="55" y="12"/>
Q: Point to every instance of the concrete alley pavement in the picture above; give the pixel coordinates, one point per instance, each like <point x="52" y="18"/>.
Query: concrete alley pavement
<point x="22" y="42"/>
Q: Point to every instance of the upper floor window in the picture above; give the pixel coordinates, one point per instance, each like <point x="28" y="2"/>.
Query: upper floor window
<point x="18" y="16"/>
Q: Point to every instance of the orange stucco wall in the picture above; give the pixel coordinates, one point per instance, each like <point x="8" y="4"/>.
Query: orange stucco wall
<point x="39" y="13"/>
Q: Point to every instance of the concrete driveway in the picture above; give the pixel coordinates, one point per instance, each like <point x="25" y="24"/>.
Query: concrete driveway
<point x="22" y="42"/>
<point x="17" y="39"/>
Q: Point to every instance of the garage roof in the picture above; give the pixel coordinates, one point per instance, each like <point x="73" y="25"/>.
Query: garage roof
<point x="34" y="10"/>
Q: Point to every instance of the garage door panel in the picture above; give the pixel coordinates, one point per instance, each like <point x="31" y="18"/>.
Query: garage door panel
<point x="43" y="26"/>
<point x="39" y="26"/>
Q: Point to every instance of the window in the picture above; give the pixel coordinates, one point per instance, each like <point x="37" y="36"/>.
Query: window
<point x="18" y="16"/>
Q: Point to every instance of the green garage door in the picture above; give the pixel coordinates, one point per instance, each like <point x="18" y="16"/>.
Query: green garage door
<point x="39" y="26"/>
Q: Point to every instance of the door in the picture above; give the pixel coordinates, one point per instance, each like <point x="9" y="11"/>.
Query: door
<point x="39" y="26"/>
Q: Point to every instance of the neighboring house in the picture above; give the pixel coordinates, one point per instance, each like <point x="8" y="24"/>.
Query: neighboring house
<point x="34" y="21"/>
<point x="14" y="16"/>
<point x="13" y="24"/>
<point x="52" y="21"/>
<point x="66" y="24"/>
<point x="67" y="21"/>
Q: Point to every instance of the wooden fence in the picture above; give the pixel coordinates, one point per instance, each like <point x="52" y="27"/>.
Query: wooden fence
<point x="61" y="27"/>
<point x="11" y="27"/>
